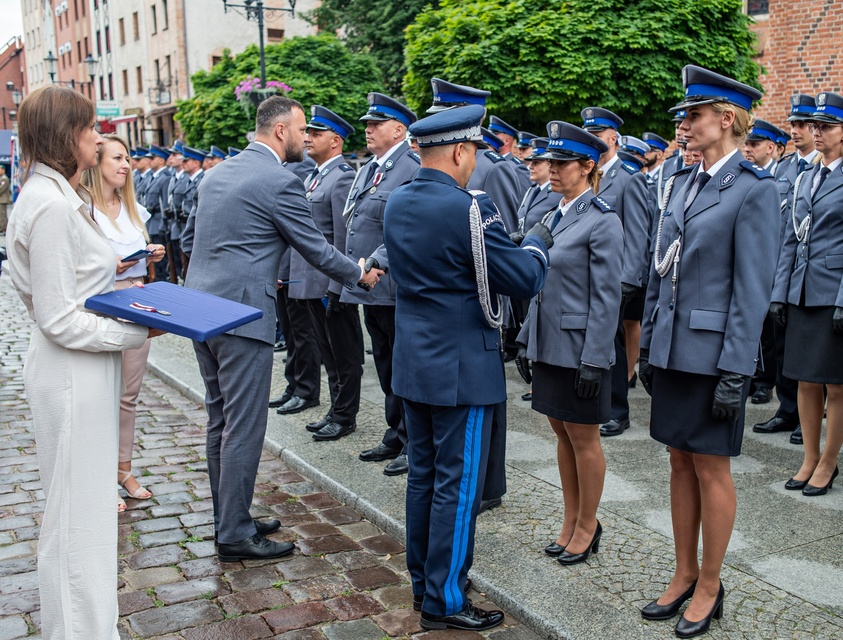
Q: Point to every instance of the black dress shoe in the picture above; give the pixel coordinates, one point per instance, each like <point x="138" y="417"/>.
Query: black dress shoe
<point x="263" y="528"/>
<point x="469" y="619"/>
<point x="774" y="425"/>
<point x="381" y="452"/>
<point x="397" y="467"/>
<point x="812" y="491"/>
<point x="418" y="600"/>
<point x="554" y="550"/>
<point x="334" y="431"/>
<point x="281" y="345"/>
<point x="255" y="548"/>
<point x="614" y="428"/>
<point x="656" y="611"/>
<point x="575" y="558"/>
<point x="296" y="404"/>
<point x="796" y="436"/>
<point x="313" y="427"/>
<point x="795" y="485"/>
<point x="489" y="504"/>
<point x="527" y="396"/>
<point x="284" y="399"/>
<point x="762" y="395"/>
<point x="687" y="629"/>
<point x="633" y="380"/>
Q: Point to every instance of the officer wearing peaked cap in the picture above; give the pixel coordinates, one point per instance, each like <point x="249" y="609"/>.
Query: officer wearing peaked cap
<point x="540" y="198"/>
<point x="500" y="178"/>
<point x="509" y="136"/>
<point x="655" y="167"/>
<point x="706" y="300"/>
<point x="156" y="202"/>
<point x="392" y="164"/>
<point x="450" y="380"/>
<point x="760" y="145"/>
<point x="447" y="95"/>
<point x="522" y="147"/>
<point x="625" y="189"/>
<point x="233" y="151"/>
<point x="184" y="205"/>
<point x="336" y="325"/>
<point x="145" y="174"/>
<point x="788" y="169"/>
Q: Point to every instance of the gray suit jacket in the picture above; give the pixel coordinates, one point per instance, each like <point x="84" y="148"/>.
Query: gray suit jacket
<point x="575" y="316"/>
<point x="725" y="273"/>
<point x="498" y="177"/>
<point x="327" y="195"/>
<point x="364" y="219"/>
<point x="815" y="269"/>
<point x="625" y="189"/>
<point x="156" y="201"/>
<point x="242" y="232"/>
<point x="534" y="208"/>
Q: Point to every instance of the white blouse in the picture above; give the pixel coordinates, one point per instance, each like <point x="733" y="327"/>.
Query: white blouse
<point x="125" y="238"/>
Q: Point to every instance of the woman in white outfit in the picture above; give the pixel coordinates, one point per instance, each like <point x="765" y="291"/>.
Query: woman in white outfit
<point x="124" y="223"/>
<point x="59" y="257"/>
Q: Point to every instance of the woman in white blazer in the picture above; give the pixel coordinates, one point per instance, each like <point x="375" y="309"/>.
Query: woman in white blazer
<point x="59" y="257"/>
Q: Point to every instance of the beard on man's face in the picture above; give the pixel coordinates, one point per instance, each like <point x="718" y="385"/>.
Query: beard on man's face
<point x="293" y="151"/>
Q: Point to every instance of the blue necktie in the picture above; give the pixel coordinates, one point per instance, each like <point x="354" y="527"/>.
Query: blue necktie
<point x="803" y="164"/>
<point x="823" y="175"/>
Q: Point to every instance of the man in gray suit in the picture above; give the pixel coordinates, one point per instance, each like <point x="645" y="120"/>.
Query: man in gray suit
<point x="241" y="234"/>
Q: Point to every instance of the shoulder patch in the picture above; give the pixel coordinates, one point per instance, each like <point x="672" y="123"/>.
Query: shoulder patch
<point x="601" y="204"/>
<point x="414" y="156"/>
<point x="345" y="167"/>
<point x="516" y="160"/>
<point x="495" y="156"/>
<point x="629" y="168"/>
<point x="754" y="169"/>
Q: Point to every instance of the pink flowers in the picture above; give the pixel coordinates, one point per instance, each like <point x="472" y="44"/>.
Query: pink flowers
<point x="250" y="84"/>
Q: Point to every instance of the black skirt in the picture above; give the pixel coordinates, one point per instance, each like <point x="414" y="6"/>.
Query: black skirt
<point x="812" y="351"/>
<point x="634" y="309"/>
<point x="680" y="414"/>
<point x="555" y="395"/>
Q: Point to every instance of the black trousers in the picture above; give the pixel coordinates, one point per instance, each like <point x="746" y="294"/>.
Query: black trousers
<point x="494" y="485"/>
<point x="339" y="348"/>
<point x="303" y="364"/>
<point x="786" y="388"/>
<point x="380" y="323"/>
<point x="162" y="268"/>
<point x="620" y="375"/>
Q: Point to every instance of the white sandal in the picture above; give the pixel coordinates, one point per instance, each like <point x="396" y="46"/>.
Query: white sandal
<point x="121" y="504"/>
<point x="138" y="494"/>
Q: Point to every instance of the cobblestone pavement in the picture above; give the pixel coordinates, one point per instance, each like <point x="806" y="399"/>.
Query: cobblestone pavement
<point x="346" y="581"/>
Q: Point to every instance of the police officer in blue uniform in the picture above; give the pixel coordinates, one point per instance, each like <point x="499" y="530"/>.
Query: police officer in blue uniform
<point x="509" y="137"/>
<point x="392" y="164"/>
<point x="335" y="324"/>
<point x="145" y="176"/>
<point x="624" y="187"/>
<point x="448" y="380"/>
<point x="787" y="170"/>
<point x="156" y="202"/>
<point x="183" y="204"/>
<point x="706" y="302"/>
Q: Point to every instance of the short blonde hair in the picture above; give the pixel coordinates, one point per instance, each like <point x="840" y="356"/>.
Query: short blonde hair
<point x="92" y="179"/>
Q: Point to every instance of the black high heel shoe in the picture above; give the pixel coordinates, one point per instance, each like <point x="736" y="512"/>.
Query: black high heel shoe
<point x="554" y="549"/>
<point x="813" y="491"/>
<point x="795" y="485"/>
<point x="656" y="611"/>
<point x="575" y="558"/>
<point x="687" y="629"/>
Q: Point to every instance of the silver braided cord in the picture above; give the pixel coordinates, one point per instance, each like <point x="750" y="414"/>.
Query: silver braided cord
<point x="662" y="263"/>
<point x="799" y="228"/>
<point x="478" y="251"/>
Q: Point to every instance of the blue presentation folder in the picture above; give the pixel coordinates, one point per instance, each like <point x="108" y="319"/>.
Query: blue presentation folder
<point x="193" y="314"/>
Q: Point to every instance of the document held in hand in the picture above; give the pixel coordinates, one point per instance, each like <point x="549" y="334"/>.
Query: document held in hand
<point x="169" y="307"/>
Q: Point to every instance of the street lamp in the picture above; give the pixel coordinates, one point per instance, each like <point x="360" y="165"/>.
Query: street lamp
<point x="254" y="11"/>
<point x="91" y="67"/>
<point x="52" y="66"/>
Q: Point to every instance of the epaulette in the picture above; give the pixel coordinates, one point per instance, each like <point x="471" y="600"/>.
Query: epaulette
<point x="516" y="160"/>
<point x="345" y="167"/>
<point x="414" y="156"/>
<point x="495" y="156"/>
<point x="788" y="157"/>
<point x="601" y="204"/>
<point x="629" y="168"/>
<point x="759" y="172"/>
<point x="683" y="170"/>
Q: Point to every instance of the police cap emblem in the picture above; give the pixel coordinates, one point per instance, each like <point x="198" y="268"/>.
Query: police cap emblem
<point x="435" y="86"/>
<point x="371" y="97"/>
<point x="821" y="99"/>
<point x="312" y="110"/>
<point x="794" y="100"/>
<point x="582" y="206"/>
<point x="554" y="130"/>
<point x="589" y="113"/>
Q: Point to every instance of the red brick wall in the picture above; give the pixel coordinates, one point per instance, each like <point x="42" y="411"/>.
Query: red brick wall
<point x="802" y="52"/>
<point x="12" y="64"/>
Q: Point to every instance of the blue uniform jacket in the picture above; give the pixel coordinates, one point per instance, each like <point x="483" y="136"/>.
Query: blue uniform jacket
<point x="575" y="317"/>
<point x="498" y="177"/>
<point x="814" y="270"/>
<point x="445" y="352"/>
<point x="727" y="262"/>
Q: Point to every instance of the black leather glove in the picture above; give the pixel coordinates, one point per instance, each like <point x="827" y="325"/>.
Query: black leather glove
<point x="542" y="232"/>
<point x="523" y="365"/>
<point x="837" y="320"/>
<point x="778" y="313"/>
<point x="587" y="382"/>
<point x="370" y="262"/>
<point x="517" y="237"/>
<point x="334" y="304"/>
<point x="645" y="370"/>
<point x="628" y="292"/>
<point x="728" y="396"/>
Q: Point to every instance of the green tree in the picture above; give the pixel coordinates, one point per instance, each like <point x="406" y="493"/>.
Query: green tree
<point x="548" y="59"/>
<point x="320" y="70"/>
<point x="373" y="26"/>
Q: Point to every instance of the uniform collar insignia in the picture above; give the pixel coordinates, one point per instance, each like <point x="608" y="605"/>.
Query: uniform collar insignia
<point x="388" y="165"/>
<point x="613" y="173"/>
<point x="727" y="179"/>
<point x="582" y="206"/>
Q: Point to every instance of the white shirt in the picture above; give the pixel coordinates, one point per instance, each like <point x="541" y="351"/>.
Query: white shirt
<point x="564" y="206"/>
<point x="609" y="164"/>
<point x="380" y="160"/>
<point x="125" y="238"/>
<point x="263" y="144"/>
<point x="831" y="166"/>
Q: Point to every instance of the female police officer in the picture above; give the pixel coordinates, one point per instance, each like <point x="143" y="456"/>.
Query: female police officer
<point x="813" y="291"/>
<point x="709" y="289"/>
<point x="570" y="329"/>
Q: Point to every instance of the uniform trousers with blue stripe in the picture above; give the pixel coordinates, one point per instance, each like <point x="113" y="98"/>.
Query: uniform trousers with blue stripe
<point x="448" y="452"/>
